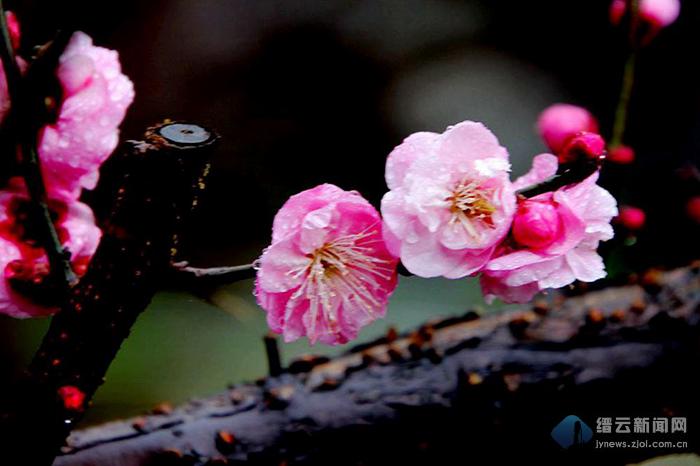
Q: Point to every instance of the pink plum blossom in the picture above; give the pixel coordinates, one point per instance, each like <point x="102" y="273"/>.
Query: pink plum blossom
<point x="96" y="95"/>
<point x="327" y="272"/>
<point x="23" y="262"/>
<point x="560" y="122"/>
<point x="450" y="200"/>
<point x="657" y="13"/>
<point x="555" y="237"/>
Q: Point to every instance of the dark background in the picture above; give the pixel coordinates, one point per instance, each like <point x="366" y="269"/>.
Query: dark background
<point x="305" y="92"/>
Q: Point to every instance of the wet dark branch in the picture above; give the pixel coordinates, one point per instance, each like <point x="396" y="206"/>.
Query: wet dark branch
<point x="569" y="176"/>
<point x="140" y="241"/>
<point x="465" y="390"/>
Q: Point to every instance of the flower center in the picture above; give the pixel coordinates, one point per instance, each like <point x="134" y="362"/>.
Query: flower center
<point x="470" y="203"/>
<point x="345" y="272"/>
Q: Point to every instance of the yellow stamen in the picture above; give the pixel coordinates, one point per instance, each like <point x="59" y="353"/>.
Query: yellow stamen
<point x="470" y="206"/>
<point x="340" y="269"/>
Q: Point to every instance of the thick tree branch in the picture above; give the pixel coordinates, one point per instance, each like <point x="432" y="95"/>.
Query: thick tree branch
<point x="153" y="185"/>
<point x="459" y="391"/>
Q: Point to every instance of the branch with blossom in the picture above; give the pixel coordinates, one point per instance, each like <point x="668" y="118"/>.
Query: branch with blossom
<point x="64" y="110"/>
<point x="451" y="211"/>
<point x="120" y="264"/>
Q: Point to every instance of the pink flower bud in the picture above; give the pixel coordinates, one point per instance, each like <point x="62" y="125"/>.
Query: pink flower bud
<point x="536" y="224"/>
<point x="657" y="13"/>
<point x="622" y="155"/>
<point x="617" y="11"/>
<point x="559" y="122"/>
<point x="632" y="218"/>
<point x="583" y="146"/>
<point x="693" y="208"/>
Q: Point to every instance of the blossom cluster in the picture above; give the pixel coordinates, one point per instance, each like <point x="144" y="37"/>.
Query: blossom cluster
<point x="451" y="211"/>
<point x="94" y="97"/>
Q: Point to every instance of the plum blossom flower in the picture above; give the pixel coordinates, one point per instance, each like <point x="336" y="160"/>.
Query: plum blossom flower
<point x="558" y="123"/>
<point x="327" y="272"/>
<point x="23" y="262"/>
<point x="555" y="237"/>
<point x="96" y="95"/>
<point x="657" y="13"/>
<point x="450" y="200"/>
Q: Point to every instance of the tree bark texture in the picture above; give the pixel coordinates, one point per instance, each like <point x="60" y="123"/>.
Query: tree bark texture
<point x="152" y="185"/>
<point x="465" y="390"/>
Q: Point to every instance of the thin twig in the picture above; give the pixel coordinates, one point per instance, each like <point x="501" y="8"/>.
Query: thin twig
<point x="623" y="103"/>
<point x="219" y="275"/>
<point x="25" y="121"/>
<point x="570" y="176"/>
<point x="7" y="54"/>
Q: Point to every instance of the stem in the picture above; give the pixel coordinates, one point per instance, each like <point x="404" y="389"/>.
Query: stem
<point x="7" y="55"/>
<point x="25" y="119"/>
<point x="59" y="257"/>
<point x="572" y="175"/>
<point x="623" y="104"/>
<point x="622" y="110"/>
<point x="185" y="275"/>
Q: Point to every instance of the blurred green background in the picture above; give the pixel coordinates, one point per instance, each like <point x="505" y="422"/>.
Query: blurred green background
<point x="184" y="347"/>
